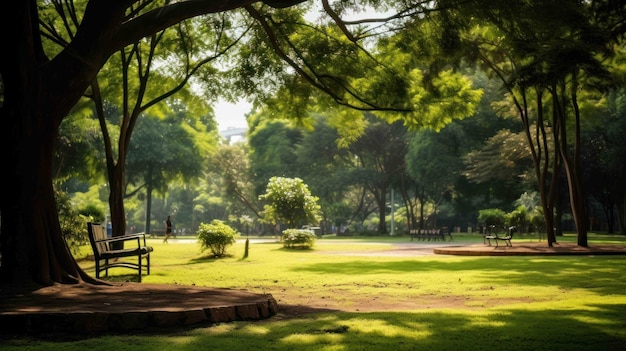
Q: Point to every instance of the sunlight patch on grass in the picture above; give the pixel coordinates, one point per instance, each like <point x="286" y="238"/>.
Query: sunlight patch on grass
<point x="429" y="302"/>
<point x="488" y="320"/>
<point x="589" y="319"/>
<point x="414" y="330"/>
<point x="311" y="339"/>
<point x="222" y="328"/>
<point x="254" y="329"/>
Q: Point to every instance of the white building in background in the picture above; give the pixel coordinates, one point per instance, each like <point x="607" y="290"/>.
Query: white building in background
<point x="234" y="135"/>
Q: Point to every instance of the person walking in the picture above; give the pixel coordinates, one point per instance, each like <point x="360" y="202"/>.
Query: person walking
<point x="168" y="228"/>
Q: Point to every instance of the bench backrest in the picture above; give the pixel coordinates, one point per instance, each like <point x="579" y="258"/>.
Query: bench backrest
<point x="97" y="233"/>
<point x="512" y="230"/>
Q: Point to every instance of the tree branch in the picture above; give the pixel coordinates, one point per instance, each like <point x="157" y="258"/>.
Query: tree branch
<point x="311" y="76"/>
<point x="168" y="15"/>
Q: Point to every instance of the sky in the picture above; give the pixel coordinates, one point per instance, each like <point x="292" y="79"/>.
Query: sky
<point x="230" y="115"/>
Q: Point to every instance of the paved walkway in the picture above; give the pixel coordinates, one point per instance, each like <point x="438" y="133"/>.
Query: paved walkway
<point x="531" y="249"/>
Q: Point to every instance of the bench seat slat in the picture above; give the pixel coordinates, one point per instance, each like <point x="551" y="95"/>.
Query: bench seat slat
<point x="496" y="238"/>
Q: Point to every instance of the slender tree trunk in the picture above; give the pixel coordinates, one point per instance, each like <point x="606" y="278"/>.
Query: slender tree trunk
<point x="116" y="202"/>
<point x="422" y="200"/>
<point x="382" y="205"/>
<point x="571" y="163"/>
<point x="575" y="180"/>
<point x="558" y="213"/>
<point x="621" y="215"/>
<point x="408" y="203"/>
<point x="541" y="160"/>
<point x="608" y="210"/>
<point x="148" y="215"/>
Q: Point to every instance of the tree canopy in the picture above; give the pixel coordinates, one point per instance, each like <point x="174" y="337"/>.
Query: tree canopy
<point x="545" y="61"/>
<point x="288" y="201"/>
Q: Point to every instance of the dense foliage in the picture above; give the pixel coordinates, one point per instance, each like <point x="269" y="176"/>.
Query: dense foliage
<point x="298" y="238"/>
<point x="73" y="224"/>
<point x="289" y="201"/>
<point x="556" y="60"/>
<point x="216" y="237"/>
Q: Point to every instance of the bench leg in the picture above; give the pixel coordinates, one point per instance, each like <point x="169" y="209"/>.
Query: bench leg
<point x="140" y="269"/>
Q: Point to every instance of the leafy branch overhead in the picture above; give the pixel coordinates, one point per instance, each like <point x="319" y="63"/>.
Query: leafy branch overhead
<point x="327" y="66"/>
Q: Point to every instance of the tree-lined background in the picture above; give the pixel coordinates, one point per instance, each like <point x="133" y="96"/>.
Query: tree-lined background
<point x="432" y="111"/>
<point x="446" y="157"/>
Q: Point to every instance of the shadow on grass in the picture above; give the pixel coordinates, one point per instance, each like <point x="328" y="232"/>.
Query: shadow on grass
<point x="599" y="327"/>
<point x="590" y="327"/>
<point x="208" y="258"/>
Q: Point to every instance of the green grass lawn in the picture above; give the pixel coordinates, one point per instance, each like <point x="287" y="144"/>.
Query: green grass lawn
<point x="363" y="299"/>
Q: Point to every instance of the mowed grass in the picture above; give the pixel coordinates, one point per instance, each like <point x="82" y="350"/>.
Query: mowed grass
<point x="362" y="298"/>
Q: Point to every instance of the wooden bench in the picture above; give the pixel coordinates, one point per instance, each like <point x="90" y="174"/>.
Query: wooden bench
<point x="106" y="256"/>
<point x="430" y="234"/>
<point x="497" y="238"/>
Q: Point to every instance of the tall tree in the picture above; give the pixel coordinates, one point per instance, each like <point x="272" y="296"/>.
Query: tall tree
<point x="272" y="150"/>
<point x="136" y="80"/>
<point x="161" y="151"/>
<point x="231" y="164"/>
<point x="318" y="156"/>
<point x="38" y="93"/>
<point x="546" y="53"/>
<point x="434" y="166"/>
<point x="605" y="159"/>
<point x="380" y="151"/>
<point x="288" y="201"/>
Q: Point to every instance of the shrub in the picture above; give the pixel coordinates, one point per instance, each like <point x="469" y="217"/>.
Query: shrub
<point x="92" y="211"/>
<point x="73" y="224"/>
<point x="519" y="218"/>
<point x="298" y="238"/>
<point x="537" y="220"/>
<point x="492" y="216"/>
<point x="289" y="201"/>
<point x="216" y="236"/>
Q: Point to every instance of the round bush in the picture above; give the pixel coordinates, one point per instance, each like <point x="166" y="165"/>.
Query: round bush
<point x="298" y="238"/>
<point x="216" y="236"/>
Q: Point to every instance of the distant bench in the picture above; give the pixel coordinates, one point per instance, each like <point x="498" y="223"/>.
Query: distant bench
<point x="434" y="234"/>
<point x="497" y="238"/>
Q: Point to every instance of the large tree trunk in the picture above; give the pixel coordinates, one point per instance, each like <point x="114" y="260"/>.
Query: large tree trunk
<point x="37" y="96"/>
<point x="32" y="246"/>
<point x="33" y="249"/>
